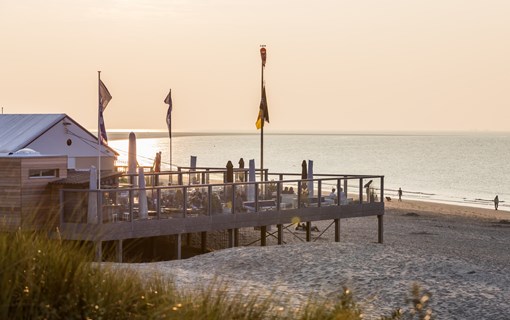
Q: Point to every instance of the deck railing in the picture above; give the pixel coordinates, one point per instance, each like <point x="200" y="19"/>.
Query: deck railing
<point x="202" y="192"/>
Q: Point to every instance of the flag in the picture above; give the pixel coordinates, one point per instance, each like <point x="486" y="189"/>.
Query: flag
<point x="102" y="129"/>
<point x="263" y="111"/>
<point x="168" y="100"/>
<point x="263" y="56"/>
<point x="104" y="98"/>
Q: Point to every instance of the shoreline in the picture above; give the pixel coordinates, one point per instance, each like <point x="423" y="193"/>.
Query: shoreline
<point x="447" y="209"/>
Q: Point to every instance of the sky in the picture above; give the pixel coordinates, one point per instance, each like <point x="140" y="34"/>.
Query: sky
<point x="332" y="65"/>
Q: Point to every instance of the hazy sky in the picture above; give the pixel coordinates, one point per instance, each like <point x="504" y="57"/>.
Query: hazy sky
<point x="334" y="65"/>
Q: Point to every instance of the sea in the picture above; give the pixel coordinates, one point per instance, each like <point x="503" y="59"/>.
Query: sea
<point x="454" y="168"/>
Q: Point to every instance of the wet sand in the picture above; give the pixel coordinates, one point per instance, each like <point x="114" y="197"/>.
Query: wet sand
<point x="461" y="255"/>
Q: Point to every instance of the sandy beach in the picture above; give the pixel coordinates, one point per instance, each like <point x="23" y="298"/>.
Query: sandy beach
<point x="459" y="254"/>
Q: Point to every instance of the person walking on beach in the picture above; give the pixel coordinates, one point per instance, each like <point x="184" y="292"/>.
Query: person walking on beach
<point x="399" y="194"/>
<point x="496" y="202"/>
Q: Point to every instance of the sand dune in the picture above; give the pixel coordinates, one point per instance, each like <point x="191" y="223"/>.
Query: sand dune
<point x="459" y="254"/>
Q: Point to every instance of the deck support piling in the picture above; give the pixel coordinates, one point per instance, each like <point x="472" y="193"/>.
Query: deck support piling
<point x="231" y="238"/>
<point x="99" y="251"/>
<point x="263" y="231"/>
<point x="280" y="233"/>
<point x="236" y="237"/>
<point x="337" y="230"/>
<point x="177" y="246"/>
<point x="203" y="241"/>
<point x="119" y="251"/>
<point x="308" y="231"/>
<point x="380" y="222"/>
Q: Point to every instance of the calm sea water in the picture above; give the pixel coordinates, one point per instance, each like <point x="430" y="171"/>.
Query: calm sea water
<point x="466" y="169"/>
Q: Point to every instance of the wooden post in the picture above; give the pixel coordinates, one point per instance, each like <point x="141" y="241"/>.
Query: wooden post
<point x="99" y="207"/>
<point x="179" y="176"/>
<point x="339" y="192"/>
<point x="382" y="189"/>
<point x="119" y="251"/>
<point x="99" y="251"/>
<point x="345" y="189"/>
<point x="337" y="230"/>
<point x="158" y="203"/>
<point x="263" y="231"/>
<point x="280" y="233"/>
<point x="177" y="246"/>
<point x="380" y="219"/>
<point x="230" y="238"/>
<point x="61" y="207"/>
<point x="203" y="241"/>
<point x="131" y="197"/>
<point x="360" y="190"/>
<point x="308" y="231"/>
<point x="319" y="193"/>
<point x="236" y="237"/>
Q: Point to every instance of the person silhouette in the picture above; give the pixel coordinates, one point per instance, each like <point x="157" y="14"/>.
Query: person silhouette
<point x="496" y="202"/>
<point x="399" y="194"/>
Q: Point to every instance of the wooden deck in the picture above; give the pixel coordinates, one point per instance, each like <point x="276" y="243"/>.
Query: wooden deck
<point x="173" y="211"/>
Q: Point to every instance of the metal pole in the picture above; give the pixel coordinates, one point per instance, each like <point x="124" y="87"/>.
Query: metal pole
<point x="262" y="127"/>
<point x="170" y="131"/>
<point x="99" y="130"/>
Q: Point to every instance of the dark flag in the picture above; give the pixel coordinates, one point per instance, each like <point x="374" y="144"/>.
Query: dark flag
<point x="104" y="98"/>
<point x="168" y="100"/>
<point x="263" y="56"/>
<point x="263" y="111"/>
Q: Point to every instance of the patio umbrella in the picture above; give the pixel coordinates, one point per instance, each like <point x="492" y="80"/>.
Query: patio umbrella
<point x="230" y="172"/>
<point x="251" y="178"/>
<point x="310" y="176"/>
<point x="193" y="167"/>
<point x="241" y="166"/>
<point x="132" y="157"/>
<point x="92" y="207"/>
<point x="304" y="172"/>
<point x="142" y="195"/>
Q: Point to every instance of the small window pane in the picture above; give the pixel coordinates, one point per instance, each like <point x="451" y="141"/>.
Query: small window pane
<point x="43" y="173"/>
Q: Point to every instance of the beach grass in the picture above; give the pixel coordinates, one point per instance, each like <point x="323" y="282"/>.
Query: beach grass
<point x="42" y="278"/>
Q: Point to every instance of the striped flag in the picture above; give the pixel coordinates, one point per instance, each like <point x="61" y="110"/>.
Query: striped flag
<point x="263" y="111"/>
<point x="104" y="98"/>
<point x="168" y="100"/>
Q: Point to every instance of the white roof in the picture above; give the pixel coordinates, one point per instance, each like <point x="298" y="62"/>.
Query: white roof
<point x="19" y="130"/>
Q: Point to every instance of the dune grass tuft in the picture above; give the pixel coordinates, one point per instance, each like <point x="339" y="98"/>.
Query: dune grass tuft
<point x="50" y="279"/>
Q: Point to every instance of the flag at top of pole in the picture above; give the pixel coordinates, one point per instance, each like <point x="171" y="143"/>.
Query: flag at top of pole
<point x="168" y="100"/>
<point x="263" y="55"/>
<point x="263" y="111"/>
<point x="104" y="98"/>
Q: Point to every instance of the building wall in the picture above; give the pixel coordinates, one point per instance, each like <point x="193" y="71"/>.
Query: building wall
<point x="86" y="162"/>
<point x="27" y="201"/>
<point x="67" y="137"/>
<point x="10" y="193"/>
<point x="38" y="206"/>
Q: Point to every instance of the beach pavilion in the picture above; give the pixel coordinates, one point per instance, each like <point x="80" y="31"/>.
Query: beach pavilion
<point x="42" y="163"/>
<point x="37" y="150"/>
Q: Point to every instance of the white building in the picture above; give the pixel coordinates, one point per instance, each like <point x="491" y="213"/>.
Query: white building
<point x="53" y="134"/>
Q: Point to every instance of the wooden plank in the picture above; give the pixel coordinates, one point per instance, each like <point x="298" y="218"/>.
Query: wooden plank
<point x="10" y="171"/>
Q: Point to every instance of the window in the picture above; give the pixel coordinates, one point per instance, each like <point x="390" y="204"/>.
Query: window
<point x="42" y="173"/>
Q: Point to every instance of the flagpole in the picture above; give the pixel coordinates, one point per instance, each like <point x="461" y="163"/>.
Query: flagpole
<point x="170" y="132"/>
<point x="99" y="130"/>
<point x="263" y="117"/>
